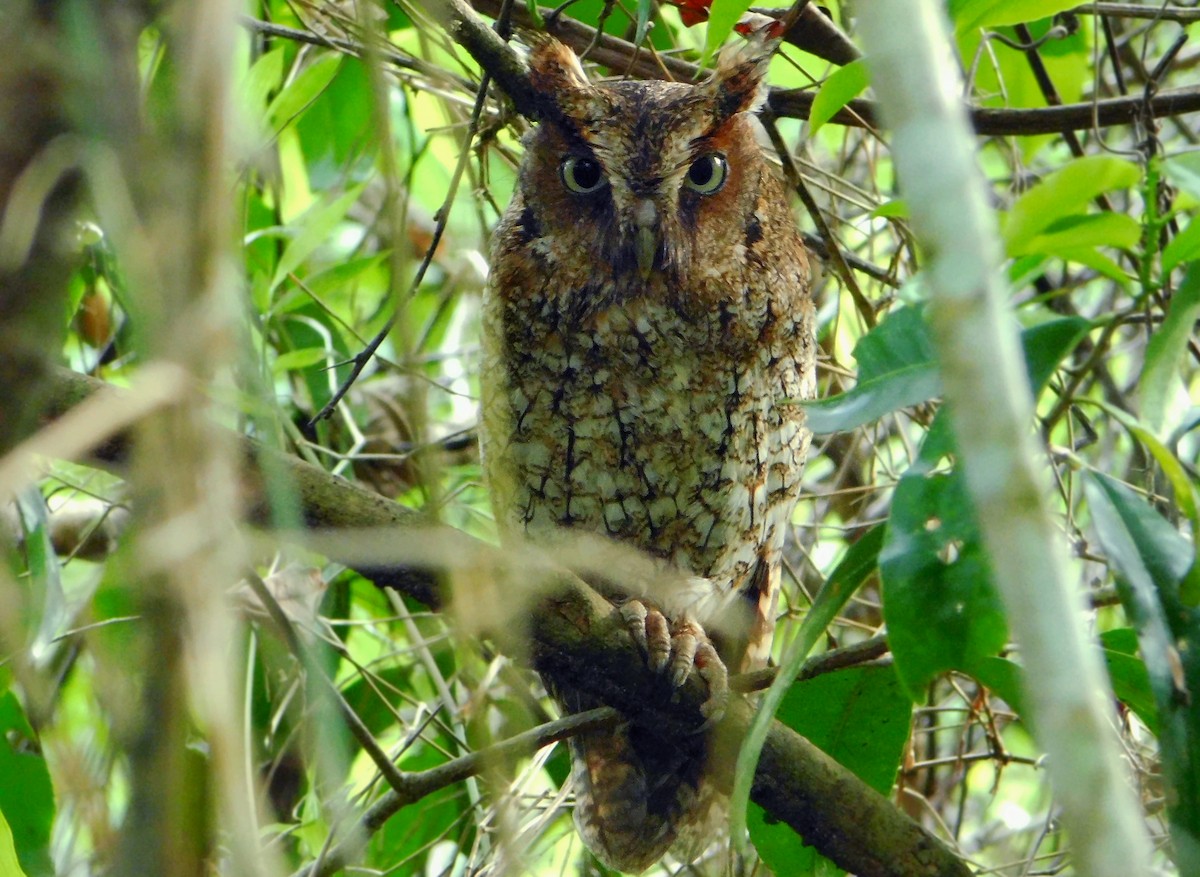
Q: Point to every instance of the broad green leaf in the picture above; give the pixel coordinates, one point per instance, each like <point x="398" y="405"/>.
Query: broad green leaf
<point x="1082" y="230"/>
<point x="1047" y="344"/>
<point x="722" y="16"/>
<point x="838" y="89"/>
<point x="315" y="226"/>
<point x="968" y="14"/>
<point x="872" y="399"/>
<point x="1064" y="193"/>
<point x="860" y="717"/>
<point x="1150" y="558"/>
<point x="1130" y="681"/>
<point x="1166" y="348"/>
<point x="302" y="91"/>
<point x="942" y="610"/>
<point x="9" y="866"/>
<point x="1003" y="677"/>
<point x="26" y="794"/>
<point x="901" y="340"/>
<point x="1184" y="247"/>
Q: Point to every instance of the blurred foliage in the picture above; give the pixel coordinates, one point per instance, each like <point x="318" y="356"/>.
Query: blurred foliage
<point x="357" y="165"/>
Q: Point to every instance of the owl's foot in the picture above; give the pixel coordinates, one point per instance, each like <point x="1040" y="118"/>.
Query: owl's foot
<point x="676" y="648"/>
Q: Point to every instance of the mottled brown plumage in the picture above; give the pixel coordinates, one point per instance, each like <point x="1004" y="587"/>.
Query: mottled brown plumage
<point x="648" y="333"/>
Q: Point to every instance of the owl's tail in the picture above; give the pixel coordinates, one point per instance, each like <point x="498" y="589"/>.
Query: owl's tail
<point x="636" y="794"/>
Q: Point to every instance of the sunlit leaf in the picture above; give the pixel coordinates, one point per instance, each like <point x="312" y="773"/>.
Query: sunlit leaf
<point x="1184" y="247"/>
<point x="1066" y="192"/>
<point x="722" y="16"/>
<point x="1082" y="230"/>
<point x="302" y="90"/>
<point x="9" y="866"/>
<point x="967" y="14"/>
<point x="315" y="228"/>
<point x="838" y="89"/>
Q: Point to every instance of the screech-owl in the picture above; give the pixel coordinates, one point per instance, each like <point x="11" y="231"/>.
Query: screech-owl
<point x="648" y="335"/>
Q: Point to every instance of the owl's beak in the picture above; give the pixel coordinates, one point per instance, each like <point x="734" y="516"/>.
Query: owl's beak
<point x="645" y="219"/>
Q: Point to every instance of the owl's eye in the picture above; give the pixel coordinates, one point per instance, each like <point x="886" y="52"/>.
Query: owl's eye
<point x="582" y="175"/>
<point x="707" y="174"/>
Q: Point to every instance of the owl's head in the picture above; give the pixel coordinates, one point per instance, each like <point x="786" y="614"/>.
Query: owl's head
<point x="644" y="179"/>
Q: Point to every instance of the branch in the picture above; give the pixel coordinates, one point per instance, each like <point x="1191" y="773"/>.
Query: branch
<point x="501" y="61"/>
<point x="574" y="634"/>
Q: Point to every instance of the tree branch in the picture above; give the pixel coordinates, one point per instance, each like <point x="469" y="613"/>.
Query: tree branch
<point x="574" y="634"/>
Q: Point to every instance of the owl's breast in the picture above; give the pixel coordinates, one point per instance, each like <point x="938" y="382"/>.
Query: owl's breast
<point x="649" y="424"/>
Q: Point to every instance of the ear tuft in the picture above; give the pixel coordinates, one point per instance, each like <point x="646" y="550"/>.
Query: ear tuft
<point x="737" y="84"/>
<point x="553" y="67"/>
<point x="561" y="85"/>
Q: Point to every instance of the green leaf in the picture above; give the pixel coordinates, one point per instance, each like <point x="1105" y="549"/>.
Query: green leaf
<point x="1184" y="247"/>
<point x="26" y="793"/>
<point x="264" y="77"/>
<point x="1003" y="677"/>
<point x="870" y="400"/>
<point x="897" y="368"/>
<point x="302" y="91"/>
<point x="942" y="610"/>
<point x="298" y="360"/>
<point x="722" y="16"/>
<point x="644" y="8"/>
<point x="853" y="569"/>
<point x="1047" y="344"/>
<point x="838" y="89"/>
<point x="1130" y="681"/>
<point x="1184" y="171"/>
<point x="315" y="226"/>
<point x="968" y="14"/>
<point x="860" y="717"/>
<point x="9" y="866"/>
<point x="897" y="207"/>
<point x="1150" y="559"/>
<point x="901" y="340"/>
<point x="45" y="573"/>
<point x="1165" y="350"/>
<point x="1082" y="230"/>
<point x="1064" y="193"/>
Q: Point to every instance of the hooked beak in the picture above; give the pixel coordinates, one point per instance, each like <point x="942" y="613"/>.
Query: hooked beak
<point x="645" y="218"/>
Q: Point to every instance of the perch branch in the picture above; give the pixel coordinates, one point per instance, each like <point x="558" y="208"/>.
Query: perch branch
<point x="574" y="635"/>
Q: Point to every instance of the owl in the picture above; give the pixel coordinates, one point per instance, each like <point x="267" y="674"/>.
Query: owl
<point x="648" y="340"/>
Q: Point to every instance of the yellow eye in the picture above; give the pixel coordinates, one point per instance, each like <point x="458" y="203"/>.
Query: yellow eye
<point x="581" y="175"/>
<point x="707" y="174"/>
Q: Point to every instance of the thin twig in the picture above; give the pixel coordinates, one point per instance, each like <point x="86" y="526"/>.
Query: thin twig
<point x="419" y="785"/>
<point x="865" y="309"/>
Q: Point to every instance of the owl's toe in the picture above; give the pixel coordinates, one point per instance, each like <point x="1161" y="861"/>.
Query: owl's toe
<point x="649" y="628"/>
<point x="677" y="648"/>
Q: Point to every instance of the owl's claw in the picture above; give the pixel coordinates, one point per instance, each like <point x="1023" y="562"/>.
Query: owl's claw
<point x="677" y="649"/>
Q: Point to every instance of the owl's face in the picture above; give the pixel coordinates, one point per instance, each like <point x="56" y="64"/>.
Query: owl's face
<point x="644" y="185"/>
